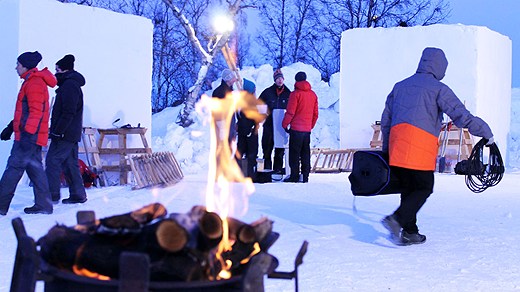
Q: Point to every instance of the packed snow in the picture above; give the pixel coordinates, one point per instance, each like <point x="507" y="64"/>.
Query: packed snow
<point x="471" y="243"/>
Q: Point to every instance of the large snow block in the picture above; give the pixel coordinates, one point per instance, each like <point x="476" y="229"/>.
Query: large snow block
<point x="113" y="51"/>
<point x="374" y="59"/>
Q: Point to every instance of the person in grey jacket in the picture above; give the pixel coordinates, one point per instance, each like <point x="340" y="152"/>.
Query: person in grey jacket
<point x="411" y="123"/>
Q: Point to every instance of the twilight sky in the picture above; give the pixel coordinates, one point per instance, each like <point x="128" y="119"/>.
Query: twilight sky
<point x="498" y="15"/>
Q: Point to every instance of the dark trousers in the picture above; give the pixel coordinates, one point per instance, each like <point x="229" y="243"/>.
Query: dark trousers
<point x="267" y="149"/>
<point x="25" y="157"/>
<point x="247" y="146"/>
<point x="300" y="151"/>
<point x="417" y="185"/>
<point x="63" y="156"/>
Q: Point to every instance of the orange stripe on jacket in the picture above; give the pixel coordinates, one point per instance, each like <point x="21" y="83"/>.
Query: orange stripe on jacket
<point x="413" y="148"/>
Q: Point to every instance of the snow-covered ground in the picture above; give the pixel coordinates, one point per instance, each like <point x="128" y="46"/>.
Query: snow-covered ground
<point x="471" y="246"/>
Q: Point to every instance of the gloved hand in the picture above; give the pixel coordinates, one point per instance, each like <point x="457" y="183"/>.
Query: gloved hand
<point x="287" y="130"/>
<point x="490" y="141"/>
<point x="7" y="132"/>
<point x="55" y="137"/>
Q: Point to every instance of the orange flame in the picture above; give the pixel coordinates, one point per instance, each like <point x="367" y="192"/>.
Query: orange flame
<point x="87" y="273"/>
<point x="227" y="190"/>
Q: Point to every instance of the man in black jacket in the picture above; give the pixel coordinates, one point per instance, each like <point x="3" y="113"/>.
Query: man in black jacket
<point x="65" y="133"/>
<point x="276" y="98"/>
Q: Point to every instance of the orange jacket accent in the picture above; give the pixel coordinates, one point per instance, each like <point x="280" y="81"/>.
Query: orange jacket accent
<point x="32" y="107"/>
<point x="413" y="148"/>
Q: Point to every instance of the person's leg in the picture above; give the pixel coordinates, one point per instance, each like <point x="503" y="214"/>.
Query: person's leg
<point x="278" y="159"/>
<point x="35" y="171"/>
<point x="71" y="166"/>
<point x="267" y="147"/>
<point x="420" y="187"/>
<point x="306" y="156"/>
<point x="13" y="173"/>
<point x="53" y="167"/>
<point x="295" y="146"/>
<point x="251" y="153"/>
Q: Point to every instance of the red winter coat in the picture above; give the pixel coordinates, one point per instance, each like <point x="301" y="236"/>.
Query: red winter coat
<point x="302" y="109"/>
<point x="31" y="114"/>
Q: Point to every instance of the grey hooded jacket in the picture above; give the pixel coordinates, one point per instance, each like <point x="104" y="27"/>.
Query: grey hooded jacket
<point x="417" y="104"/>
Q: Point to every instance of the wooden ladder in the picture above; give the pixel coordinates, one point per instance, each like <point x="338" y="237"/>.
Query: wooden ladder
<point x="90" y="149"/>
<point x="456" y="138"/>
<point x="329" y="161"/>
<point x="377" y="137"/>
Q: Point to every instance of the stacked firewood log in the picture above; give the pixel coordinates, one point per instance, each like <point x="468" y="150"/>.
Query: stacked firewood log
<point x="181" y="246"/>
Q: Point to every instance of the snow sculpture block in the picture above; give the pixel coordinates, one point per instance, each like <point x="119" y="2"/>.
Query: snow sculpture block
<point x="113" y="51"/>
<point x="374" y="59"/>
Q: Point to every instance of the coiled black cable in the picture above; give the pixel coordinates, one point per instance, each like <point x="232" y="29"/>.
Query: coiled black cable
<point x="480" y="176"/>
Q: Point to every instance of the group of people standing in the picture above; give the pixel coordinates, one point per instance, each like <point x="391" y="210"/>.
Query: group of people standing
<point x="293" y="112"/>
<point x="31" y="129"/>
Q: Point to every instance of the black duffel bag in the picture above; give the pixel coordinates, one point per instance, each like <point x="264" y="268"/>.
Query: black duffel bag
<point x="371" y="174"/>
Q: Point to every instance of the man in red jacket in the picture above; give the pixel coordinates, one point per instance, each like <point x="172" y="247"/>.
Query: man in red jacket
<point x="299" y="119"/>
<point x="31" y="130"/>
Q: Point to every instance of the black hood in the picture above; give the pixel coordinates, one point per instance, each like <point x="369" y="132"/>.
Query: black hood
<point x="72" y="75"/>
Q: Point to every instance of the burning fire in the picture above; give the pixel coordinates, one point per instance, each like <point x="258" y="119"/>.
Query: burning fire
<point x="227" y="189"/>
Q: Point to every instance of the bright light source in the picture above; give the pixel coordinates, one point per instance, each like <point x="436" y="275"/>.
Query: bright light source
<point x="223" y="24"/>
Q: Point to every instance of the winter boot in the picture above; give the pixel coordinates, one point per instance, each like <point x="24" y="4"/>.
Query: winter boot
<point x="394" y="227"/>
<point x="412" y="238"/>
<point x="36" y="210"/>
<point x="291" y="179"/>
<point x="74" y="200"/>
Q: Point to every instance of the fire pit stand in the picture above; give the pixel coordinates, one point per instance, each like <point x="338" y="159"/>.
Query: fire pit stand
<point x="134" y="274"/>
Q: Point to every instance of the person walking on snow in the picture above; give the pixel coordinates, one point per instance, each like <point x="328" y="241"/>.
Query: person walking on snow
<point x="31" y="128"/>
<point x="276" y="98"/>
<point x="300" y="118"/>
<point x="410" y="124"/>
<point x="65" y="133"/>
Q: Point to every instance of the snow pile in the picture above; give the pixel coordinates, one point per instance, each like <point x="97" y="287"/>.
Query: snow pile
<point x="191" y="145"/>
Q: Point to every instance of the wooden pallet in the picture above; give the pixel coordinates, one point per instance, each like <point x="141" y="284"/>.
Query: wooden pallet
<point x="157" y="169"/>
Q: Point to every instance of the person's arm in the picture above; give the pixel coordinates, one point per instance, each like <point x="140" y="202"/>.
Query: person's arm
<point x="450" y="104"/>
<point x="34" y="92"/>
<point x="315" y="113"/>
<point x="291" y="110"/>
<point x="386" y="120"/>
<point x="69" y="96"/>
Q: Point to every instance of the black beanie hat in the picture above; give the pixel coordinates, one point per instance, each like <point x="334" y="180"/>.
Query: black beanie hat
<point x="30" y="59"/>
<point x="300" y="76"/>
<point x="66" y="63"/>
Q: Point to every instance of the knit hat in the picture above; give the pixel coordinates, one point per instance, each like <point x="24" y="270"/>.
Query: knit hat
<point x="249" y="86"/>
<point x="66" y="63"/>
<point x="300" y="76"/>
<point x="277" y="73"/>
<point x="227" y="75"/>
<point x="30" y="59"/>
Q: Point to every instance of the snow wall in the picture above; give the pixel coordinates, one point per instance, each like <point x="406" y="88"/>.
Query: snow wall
<point x="113" y="51"/>
<point x="374" y="59"/>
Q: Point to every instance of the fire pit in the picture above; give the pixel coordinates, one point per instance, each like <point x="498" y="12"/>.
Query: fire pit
<point x="135" y="269"/>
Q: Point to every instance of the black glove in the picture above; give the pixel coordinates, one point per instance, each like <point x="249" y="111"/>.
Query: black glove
<point x="7" y="132"/>
<point x="55" y="137"/>
<point x="287" y="130"/>
<point x="490" y="141"/>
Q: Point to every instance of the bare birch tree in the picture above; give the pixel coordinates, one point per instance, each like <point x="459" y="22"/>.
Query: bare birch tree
<point x="206" y="54"/>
